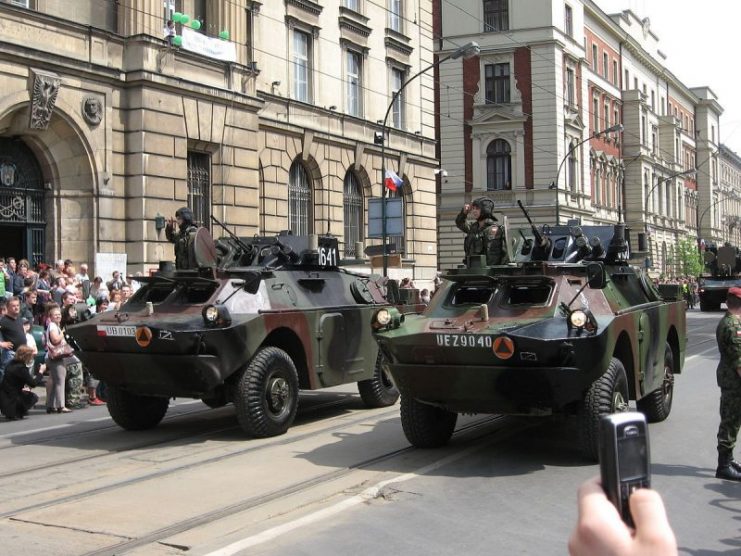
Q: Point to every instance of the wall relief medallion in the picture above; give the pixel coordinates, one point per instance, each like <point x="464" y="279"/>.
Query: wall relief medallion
<point x="43" y="97"/>
<point x="92" y="110"/>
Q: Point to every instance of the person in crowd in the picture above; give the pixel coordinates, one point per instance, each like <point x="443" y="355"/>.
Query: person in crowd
<point x="600" y="531"/>
<point x="484" y="236"/>
<point x="115" y="300"/>
<point x="74" y="377"/>
<point x="98" y="289"/>
<point x="15" y="399"/>
<point x="11" y="332"/>
<point x="101" y="304"/>
<point x="60" y="286"/>
<point x="55" y="366"/>
<point x="83" y="279"/>
<point x="116" y="283"/>
<point x="424" y="296"/>
<point x="20" y="273"/>
<point x="43" y="284"/>
<point x="169" y="31"/>
<point x="68" y="298"/>
<point x="728" y="376"/>
<point x="126" y="293"/>
<point x="4" y="280"/>
<point x="181" y="231"/>
<point x="10" y="266"/>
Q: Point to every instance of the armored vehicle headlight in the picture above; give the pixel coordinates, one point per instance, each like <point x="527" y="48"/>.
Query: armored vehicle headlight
<point x="383" y="318"/>
<point x="216" y="315"/>
<point x="210" y="314"/>
<point x="578" y="319"/>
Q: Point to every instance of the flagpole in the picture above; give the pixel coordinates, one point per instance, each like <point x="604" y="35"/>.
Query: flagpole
<point x="466" y="51"/>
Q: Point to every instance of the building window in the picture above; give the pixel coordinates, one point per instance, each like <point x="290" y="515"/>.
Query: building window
<point x="572" y="168"/>
<point x="301" y="66"/>
<point x="653" y="101"/>
<point x="300" y="218"/>
<point x="498" y="165"/>
<point x="199" y="13"/>
<point x="595" y="115"/>
<point x="353" y="5"/>
<point x="606" y="123"/>
<point x="654" y="139"/>
<point x="568" y="20"/>
<point x="353" y="208"/>
<point x="627" y="80"/>
<point x="570" y="87"/>
<point x="354" y="83"/>
<point x="496" y="83"/>
<point x="496" y="15"/>
<point x="21" y="3"/>
<point x="615" y="73"/>
<point x="199" y="187"/>
<point x="396" y="19"/>
<point x="399" y="242"/>
<point x="595" y="62"/>
<point x="605" y="65"/>
<point x="616" y="119"/>
<point x="397" y="81"/>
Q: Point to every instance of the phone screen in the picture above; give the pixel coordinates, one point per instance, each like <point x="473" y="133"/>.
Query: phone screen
<point x="632" y="458"/>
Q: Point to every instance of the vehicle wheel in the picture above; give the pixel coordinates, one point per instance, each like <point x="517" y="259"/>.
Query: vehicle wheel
<point x="379" y="391"/>
<point x="608" y="394"/>
<point x="657" y="405"/>
<point x="266" y="394"/>
<point x="133" y="412"/>
<point x="216" y="399"/>
<point x="426" y="426"/>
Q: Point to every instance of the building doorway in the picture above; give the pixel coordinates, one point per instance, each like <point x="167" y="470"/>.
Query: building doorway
<point x="22" y="213"/>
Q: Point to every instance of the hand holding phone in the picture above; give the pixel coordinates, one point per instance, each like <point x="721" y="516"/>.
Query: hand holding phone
<point x="624" y="458"/>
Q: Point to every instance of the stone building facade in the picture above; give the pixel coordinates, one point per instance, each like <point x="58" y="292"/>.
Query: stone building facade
<point x="264" y="117"/>
<point x="729" y="197"/>
<point x="576" y="113"/>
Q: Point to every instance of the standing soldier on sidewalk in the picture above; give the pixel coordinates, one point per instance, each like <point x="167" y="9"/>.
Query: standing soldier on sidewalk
<point x="484" y="236"/>
<point x="728" y="335"/>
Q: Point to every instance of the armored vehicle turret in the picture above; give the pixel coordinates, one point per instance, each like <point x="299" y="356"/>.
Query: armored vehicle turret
<point x="254" y="322"/>
<point x="722" y="271"/>
<point x="569" y="326"/>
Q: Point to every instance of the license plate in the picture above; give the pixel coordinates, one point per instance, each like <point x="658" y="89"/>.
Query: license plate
<point x="120" y="331"/>
<point x="463" y="340"/>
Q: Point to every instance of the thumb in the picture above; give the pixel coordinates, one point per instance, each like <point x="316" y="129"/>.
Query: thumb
<point x="649" y="516"/>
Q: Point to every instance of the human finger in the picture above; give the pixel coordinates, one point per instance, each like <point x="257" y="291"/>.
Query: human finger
<point x="649" y="516"/>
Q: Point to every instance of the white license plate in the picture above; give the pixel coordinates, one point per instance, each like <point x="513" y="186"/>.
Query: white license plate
<point x="124" y="331"/>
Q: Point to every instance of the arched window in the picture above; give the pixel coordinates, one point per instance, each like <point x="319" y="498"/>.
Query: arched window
<point x="498" y="165"/>
<point x="353" y="206"/>
<point x="300" y="218"/>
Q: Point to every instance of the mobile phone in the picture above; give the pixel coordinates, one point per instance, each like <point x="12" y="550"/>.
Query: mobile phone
<point x="624" y="458"/>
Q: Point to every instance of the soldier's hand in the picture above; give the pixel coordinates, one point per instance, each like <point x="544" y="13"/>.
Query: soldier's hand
<point x="466" y="208"/>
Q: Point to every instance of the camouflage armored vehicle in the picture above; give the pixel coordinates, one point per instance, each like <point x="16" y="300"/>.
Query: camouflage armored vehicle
<point x="723" y="271"/>
<point x="256" y="321"/>
<point x="568" y="327"/>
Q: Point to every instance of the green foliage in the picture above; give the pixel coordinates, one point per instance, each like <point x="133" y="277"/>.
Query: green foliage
<point x="688" y="257"/>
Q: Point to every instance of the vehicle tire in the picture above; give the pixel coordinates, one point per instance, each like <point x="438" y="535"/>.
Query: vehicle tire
<point x="266" y="393"/>
<point x="426" y="426"/>
<point x="216" y="399"/>
<point x="133" y="412"/>
<point x="608" y="394"/>
<point x="379" y="391"/>
<point x="657" y="405"/>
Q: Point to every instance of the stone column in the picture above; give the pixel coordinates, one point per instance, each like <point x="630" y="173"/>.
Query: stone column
<point x="140" y="17"/>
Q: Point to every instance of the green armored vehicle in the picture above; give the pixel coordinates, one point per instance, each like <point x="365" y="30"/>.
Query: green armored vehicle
<point x="568" y="327"/>
<point x="256" y="321"/>
<point x="723" y="271"/>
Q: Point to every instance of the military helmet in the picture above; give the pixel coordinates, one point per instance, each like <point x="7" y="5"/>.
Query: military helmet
<point x="486" y="206"/>
<point x="186" y="214"/>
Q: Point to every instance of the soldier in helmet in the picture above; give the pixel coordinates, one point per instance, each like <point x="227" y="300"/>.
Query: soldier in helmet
<point x="181" y="231"/>
<point x="483" y="236"/>
<point x="728" y="335"/>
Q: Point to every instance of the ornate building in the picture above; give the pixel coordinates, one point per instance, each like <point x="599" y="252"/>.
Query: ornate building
<point x="576" y="113"/>
<point x="261" y="114"/>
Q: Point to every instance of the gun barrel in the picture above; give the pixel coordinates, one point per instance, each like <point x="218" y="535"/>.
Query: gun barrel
<point x="538" y="236"/>
<point x="234" y="236"/>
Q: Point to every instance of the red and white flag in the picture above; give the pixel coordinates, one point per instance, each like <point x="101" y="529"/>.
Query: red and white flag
<point x="393" y="181"/>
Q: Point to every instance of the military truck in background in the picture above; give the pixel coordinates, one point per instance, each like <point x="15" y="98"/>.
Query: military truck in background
<point x="569" y="326"/>
<point x="722" y="271"/>
<point x="257" y="320"/>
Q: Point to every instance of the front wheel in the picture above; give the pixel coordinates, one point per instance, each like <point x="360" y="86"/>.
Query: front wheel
<point x="608" y="394"/>
<point x="380" y="390"/>
<point x="133" y="412"/>
<point x="266" y="393"/>
<point x="426" y="426"/>
<point x="657" y="405"/>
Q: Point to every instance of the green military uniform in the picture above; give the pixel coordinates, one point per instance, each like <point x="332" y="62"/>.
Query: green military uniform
<point x="483" y="237"/>
<point x="183" y="238"/>
<point x="728" y="335"/>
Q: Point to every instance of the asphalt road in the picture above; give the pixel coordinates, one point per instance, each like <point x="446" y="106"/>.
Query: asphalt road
<point x="343" y="480"/>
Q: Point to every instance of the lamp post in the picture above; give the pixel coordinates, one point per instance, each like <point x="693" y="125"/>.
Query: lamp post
<point x="466" y="51"/>
<point x="555" y="184"/>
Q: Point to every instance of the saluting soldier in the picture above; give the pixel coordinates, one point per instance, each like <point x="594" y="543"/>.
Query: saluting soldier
<point x="181" y="231"/>
<point x="728" y="335"/>
<point x="483" y="236"/>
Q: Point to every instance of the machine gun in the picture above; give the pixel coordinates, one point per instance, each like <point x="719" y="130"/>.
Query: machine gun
<point x="542" y="243"/>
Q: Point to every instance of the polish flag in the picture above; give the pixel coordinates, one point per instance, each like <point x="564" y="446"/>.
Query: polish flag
<point x="393" y="181"/>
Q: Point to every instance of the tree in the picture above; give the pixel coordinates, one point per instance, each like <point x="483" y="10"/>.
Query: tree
<point x="688" y="257"/>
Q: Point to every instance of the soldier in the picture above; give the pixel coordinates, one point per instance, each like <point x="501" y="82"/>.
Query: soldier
<point x="728" y="335"/>
<point x="484" y="236"/>
<point x="182" y="237"/>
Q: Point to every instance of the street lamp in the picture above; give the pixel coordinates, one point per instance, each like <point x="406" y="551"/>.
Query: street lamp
<point x="466" y="51"/>
<point x="554" y="184"/>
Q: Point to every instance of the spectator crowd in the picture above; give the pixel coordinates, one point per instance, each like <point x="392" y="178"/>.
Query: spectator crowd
<point x="49" y="297"/>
